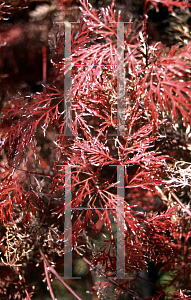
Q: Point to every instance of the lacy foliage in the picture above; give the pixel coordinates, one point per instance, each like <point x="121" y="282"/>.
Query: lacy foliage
<point x="157" y="97"/>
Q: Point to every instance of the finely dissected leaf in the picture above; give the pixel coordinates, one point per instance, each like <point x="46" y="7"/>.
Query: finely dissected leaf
<point x="27" y="118"/>
<point x="168" y="3"/>
<point x="14" y="198"/>
<point x="157" y="74"/>
<point x="165" y="81"/>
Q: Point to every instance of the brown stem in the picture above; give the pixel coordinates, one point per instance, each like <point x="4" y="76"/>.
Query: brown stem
<point x="145" y="17"/>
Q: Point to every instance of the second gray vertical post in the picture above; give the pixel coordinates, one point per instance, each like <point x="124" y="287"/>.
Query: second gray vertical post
<point x="120" y="80"/>
<point x="120" y="223"/>
<point x="68" y="225"/>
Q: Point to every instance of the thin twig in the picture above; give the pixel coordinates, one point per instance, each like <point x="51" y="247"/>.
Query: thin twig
<point x="51" y="269"/>
<point x="185" y="209"/>
<point x="48" y="281"/>
<point x="28" y="297"/>
<point x="44" y="67"/>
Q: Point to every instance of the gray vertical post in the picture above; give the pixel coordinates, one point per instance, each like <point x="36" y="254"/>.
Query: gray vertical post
<point x="120" y="223"/>
<point x="68" y="81"/>
<point x="68" y="225"/>
<point x="120" y="80"/>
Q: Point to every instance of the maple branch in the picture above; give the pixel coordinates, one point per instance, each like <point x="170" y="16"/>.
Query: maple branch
<point x="44" y="67"/>
<point x="28" y="297"/>
<point x="51" y="269"/>
<point x="185" y="209"/>
<point x="48" y="281"/>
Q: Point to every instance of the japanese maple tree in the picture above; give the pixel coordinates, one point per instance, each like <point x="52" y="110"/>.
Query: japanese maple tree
<point x="153" y="151"/>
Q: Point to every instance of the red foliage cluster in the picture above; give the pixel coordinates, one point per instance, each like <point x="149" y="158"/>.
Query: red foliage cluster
<point x="156" y="100"/>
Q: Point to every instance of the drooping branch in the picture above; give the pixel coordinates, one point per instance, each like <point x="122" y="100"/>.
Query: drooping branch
<point x="53" y="271"/>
